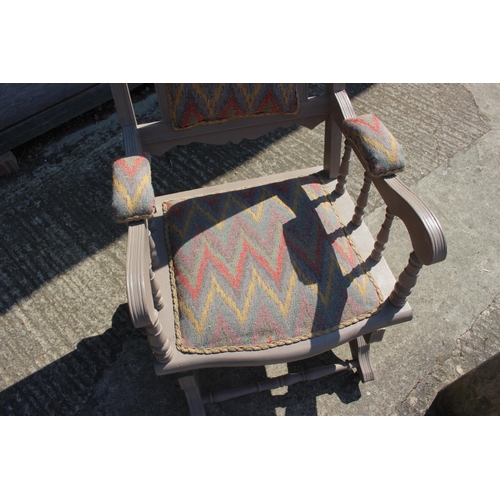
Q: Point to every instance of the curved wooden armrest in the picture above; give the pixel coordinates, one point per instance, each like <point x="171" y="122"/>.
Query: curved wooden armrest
<point x="139" y="293"/>
<point x="425" y="232"/>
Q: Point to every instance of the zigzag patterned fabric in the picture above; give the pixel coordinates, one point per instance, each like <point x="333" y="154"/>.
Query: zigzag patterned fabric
<point x="194" y="104"/>
<point x="133" y="196"/>
<point x="379" y="149"/>
<point x="263" y="267"/>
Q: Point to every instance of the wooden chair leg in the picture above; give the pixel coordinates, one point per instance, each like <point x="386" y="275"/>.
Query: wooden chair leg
<point x="360" y="350"/>
<point x="189" y="384"/>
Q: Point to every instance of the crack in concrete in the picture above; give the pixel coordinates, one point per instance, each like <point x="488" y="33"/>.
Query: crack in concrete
<point x="401" y="403"/>
<point x="486" y="119"/>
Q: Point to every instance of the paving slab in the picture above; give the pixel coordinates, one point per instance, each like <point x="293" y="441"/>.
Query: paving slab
<point x="67" y="346"/>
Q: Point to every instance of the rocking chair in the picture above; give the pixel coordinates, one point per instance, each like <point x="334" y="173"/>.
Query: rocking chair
<point x="270" y="270"/>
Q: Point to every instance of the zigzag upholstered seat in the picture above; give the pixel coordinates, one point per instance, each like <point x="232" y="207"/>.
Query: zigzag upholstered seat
<point x="270" y="270"/>
<point x="263" y="267"/>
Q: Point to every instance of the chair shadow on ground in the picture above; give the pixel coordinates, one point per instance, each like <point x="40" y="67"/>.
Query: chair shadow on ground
<point x="112" y="374"/>
<point x="298" y="400"/>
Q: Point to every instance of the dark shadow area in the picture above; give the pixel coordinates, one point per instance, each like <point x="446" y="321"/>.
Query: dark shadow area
<point x="352" y="89"/>
<point x="475" y="393"/>
<point x="311" y="238"/>
<point x="299" y="399"/>
<point x="112" y="374"/>
<point x="197" y="164"/>
<point x="64" y="386"/>
<point x="355" y="89"/>
<point x="52" y="219"/>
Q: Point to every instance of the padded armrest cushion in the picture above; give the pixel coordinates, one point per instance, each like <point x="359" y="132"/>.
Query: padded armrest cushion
<point x="379" y="152"/>
<point x="133" y="196"/>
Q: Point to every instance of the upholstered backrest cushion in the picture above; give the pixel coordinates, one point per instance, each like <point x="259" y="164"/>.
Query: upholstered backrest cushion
<point x="133" y="196"/>
<point x="193" y="104"/>
<point x="379" y="151"/>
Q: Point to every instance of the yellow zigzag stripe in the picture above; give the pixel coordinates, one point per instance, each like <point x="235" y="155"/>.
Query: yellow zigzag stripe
<point x="209" y="103"/>
<point x="178" y="95"/>
<point x="287" y="91"/>
<point x="230" y="199"/>
<point x="260" y="205"/>
<point x="132" y="202"/>
<point x="360" y="282"/>
<point x="324" y="296"/>
<point x="232" y="260"/>
<point x="391" y="155"/>
<point x="249" y="98"/>
<point x="355" y="280"/>
<point x="216" y="288"/>
<point x="313" y="196"/>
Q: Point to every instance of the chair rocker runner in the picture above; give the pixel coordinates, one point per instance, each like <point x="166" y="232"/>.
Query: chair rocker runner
<point x="269" y="270"/>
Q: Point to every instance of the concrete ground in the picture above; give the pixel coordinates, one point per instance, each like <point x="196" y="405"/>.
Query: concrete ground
<point x="67" y="346"/>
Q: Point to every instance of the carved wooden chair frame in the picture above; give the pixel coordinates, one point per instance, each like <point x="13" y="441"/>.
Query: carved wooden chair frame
<point x="149" y="292"/>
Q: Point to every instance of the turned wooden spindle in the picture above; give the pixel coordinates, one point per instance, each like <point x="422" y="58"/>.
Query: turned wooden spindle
<point x="281" y="381"/>
<point x="357" y="218"/>
<point x="382" y="237"/>
<point x="406" y="281"/>
<point x="157" y="297"/>
<point x="158" y="341"/>
<point x="344" y="170"/>
<point x="155" y="261"/>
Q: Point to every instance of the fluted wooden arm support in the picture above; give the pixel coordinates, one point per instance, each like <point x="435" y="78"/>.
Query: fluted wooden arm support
<point x="426" y="234"/>
<point x="140" y="293"/>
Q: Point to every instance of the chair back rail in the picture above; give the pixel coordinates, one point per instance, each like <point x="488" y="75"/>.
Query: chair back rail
<point x="159" y="136"/>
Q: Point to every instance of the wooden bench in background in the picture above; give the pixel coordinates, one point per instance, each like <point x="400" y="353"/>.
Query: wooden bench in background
<point x="28" y="110"/>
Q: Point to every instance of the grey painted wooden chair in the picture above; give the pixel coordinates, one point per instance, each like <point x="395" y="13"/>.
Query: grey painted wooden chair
<point x="270" y="270"/>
